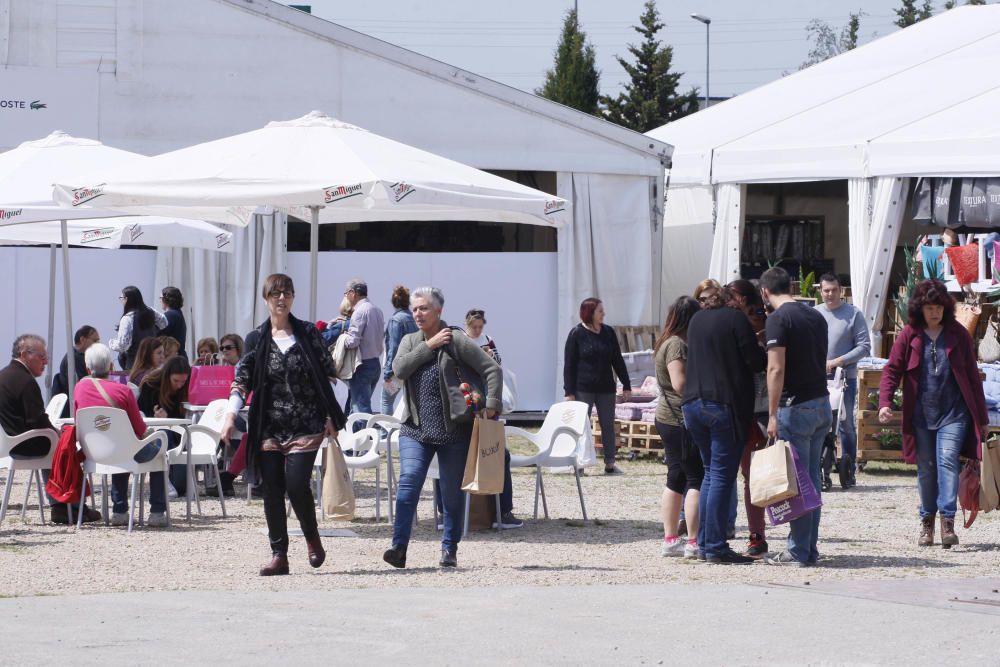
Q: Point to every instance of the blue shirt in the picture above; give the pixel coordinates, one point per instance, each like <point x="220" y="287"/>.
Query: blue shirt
<point x="939" y="400"/>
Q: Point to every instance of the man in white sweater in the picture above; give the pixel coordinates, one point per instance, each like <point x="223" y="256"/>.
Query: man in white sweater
<point x="848" y="341"/>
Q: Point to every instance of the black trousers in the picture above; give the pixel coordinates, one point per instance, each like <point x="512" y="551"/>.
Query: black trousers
<point x="290" y="475"/>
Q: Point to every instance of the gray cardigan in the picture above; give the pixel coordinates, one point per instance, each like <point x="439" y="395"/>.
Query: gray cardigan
<point x="413" y="353"/>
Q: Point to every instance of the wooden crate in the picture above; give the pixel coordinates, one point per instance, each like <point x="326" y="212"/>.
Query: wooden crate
<point x="631" y="436"/>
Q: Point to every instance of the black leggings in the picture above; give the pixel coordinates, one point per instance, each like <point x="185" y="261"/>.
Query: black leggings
<point x="289" y="474"/>
<point x="684" y="467"/>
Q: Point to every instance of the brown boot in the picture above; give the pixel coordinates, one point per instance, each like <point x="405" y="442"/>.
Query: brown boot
<point x="948" y="536"/>
<point x="278" y="565"/>
<point x="317" y="554"/>
<point x="926" y="532"/>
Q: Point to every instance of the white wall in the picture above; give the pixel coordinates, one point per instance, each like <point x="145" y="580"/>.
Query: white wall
<point x="97" y="278"/>
<point x="517" y="291"/>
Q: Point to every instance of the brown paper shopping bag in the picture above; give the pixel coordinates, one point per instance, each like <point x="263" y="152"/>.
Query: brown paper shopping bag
<point x="772" y="474"/>
<point x="338" y="492"/>
<point x="485" y="464"/>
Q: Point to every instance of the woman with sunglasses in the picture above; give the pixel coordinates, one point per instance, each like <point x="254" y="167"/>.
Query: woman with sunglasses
<point x="138" y="322"/>
<point x="293" y="410"/>
<point x="230" y="349"/>
<point x="708" y="293"/>
<point x="944" y="408"/>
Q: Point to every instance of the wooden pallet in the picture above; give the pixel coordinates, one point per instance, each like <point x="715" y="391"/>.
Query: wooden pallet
<point x="632" y="436"/>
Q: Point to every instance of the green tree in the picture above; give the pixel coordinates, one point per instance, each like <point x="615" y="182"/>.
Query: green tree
<point x="976" y="2"/>
<point x="827" y="42"/>
<point x="650" y="98"/>
<point x="573" y="79"/>
<point x="909" y="13"/>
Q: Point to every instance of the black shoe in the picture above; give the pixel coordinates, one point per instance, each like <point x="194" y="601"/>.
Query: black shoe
<point x="449" y="557"/>
<point x="846" y="472"/>
<point x="682" y="528"/>
<point x="757" y="547"/>
<point x="508" y="521"/>
<point x="396" y="556"/>
<point x="59" y="514"/>
<point x="729" y="558"/>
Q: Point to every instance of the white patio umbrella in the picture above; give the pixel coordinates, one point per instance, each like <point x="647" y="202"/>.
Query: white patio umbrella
<point x="29" y="215"/>
<point x="338" y="172"/>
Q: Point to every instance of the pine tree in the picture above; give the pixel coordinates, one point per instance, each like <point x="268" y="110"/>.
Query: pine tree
<point x="650" y="98"/>
<point x="909" y="13"/>
<point x="573" y="79"/>
<point x="827" y="43"/>
<point x="976" y="2"/>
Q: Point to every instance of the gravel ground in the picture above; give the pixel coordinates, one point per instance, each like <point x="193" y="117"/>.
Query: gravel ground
<point x="868" y="533"/>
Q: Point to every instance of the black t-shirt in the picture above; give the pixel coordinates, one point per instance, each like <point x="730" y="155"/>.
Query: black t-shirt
<point x="801" y="330"/>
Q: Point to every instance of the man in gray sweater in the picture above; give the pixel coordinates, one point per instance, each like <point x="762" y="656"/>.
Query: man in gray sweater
<point x="848" y="341"/>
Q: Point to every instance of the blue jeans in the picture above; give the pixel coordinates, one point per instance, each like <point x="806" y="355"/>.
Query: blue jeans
<point x="389" y="400"/>
<point x="414" y="459"/>
<point x="805" y="426"/>
<point x="848" y="428"/>
<point x="362" y="386"/>
<point x="712" y="428"/>
<point x="938" y="467"/>
<point x="157" y="484"/>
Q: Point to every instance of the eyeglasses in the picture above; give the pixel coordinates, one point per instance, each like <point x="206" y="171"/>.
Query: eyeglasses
<point x="121" y="298"/>
<point x="227" y="348"/>
<point x="277" y="294"/>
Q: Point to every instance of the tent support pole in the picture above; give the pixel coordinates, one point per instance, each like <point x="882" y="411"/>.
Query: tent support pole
<point x="70" y="360"/>
<point x="52" y="310"/>
<point x="313" y="261"/>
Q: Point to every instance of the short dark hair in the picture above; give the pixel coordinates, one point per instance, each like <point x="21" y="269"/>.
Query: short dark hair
<point x="83" y="332"/>
<point x="930" y="293"/>
<point x="587" y="309"/>
<point x="400" y="297"/>
<point x="172" y="297"/>
<point x="829" y="278"/>
<point x="776" y="281"/>
<point x="277" y="281"/>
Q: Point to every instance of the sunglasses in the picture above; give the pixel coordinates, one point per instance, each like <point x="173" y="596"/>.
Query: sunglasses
<point x="227" y="348"/>
<point x="277" y="294"/>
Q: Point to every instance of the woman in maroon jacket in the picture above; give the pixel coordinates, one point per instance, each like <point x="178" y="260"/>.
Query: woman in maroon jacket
<point x="944" y="409"/>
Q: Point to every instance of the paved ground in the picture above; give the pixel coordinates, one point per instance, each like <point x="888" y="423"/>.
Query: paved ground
<point x="927" y="622"/>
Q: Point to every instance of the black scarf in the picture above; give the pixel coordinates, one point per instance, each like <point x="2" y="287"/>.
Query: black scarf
<point x="312" y="347"/>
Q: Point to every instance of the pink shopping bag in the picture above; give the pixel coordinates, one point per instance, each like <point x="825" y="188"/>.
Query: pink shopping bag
<point x="209" y="383"/>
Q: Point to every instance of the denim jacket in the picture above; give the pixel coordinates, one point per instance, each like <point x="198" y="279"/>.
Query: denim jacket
<point x="400" y="324"/>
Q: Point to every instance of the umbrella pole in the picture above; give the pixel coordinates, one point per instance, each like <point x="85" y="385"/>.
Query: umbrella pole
<point x="313" y="261"/>
<point x="52" y="310"/>
<point x="70" y="361"/>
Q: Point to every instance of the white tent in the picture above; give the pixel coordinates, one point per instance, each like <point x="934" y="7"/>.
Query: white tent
<point x="113" y="233"/>
<point x="338" y="172"/>
<point x="914" y="102"/>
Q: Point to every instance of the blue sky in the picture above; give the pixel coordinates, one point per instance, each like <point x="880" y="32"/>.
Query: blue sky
<point x="753" y="41"/>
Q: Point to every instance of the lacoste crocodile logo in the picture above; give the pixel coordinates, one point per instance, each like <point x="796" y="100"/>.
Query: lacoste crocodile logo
<point x="37" y="104"/>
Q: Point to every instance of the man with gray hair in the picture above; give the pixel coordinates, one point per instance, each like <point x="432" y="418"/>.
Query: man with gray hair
<point x="365" y="334"/>
<point x="21" y="405"/>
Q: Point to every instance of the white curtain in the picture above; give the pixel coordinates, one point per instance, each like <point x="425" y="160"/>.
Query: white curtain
<point x="606" y="251"/>
<point x="687" y="240"/>
<point x="888" y="203"/>
<point x="725" y="263"/>
<point x="222" y="292"/>
<point x="859" y="193"/>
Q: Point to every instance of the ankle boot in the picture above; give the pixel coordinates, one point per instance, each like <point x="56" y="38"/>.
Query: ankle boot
<point x="317" y="554"/>
<point x="396" y="556"/>
<point x="277" y="566"/>
<point x="948" y="536"/>
<point x="926" y="532"/>
<point x="449" y="557"/>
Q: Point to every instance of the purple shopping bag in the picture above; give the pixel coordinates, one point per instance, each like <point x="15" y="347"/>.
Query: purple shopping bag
<point x="806" y="501"/>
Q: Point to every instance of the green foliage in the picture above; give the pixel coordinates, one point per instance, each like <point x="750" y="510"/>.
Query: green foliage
<point x="806" y="288"/>
<point x="573" y="79"/>
<point x="890" y="439"/>
<point x="650" y="98"/>
<point x="909" y="13"/>
<point x="827" y="43"/>
<point x="909" y="284"/>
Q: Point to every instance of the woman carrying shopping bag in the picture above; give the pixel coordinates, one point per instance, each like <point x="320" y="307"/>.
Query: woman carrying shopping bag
<point x="433" y="365"/>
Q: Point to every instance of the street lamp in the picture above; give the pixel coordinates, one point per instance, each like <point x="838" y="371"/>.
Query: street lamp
<point x="701" y="18"/>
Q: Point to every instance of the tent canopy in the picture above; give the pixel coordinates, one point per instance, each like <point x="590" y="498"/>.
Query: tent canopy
<point x="113" y="233"/>
<point x="860" y="114"/>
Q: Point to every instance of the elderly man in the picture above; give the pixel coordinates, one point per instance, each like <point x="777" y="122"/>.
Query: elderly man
<point x="848" y="342"/>
<point x="84" y="337"/>
<point x="366" y="334"/>
<point x="22" y="408"/>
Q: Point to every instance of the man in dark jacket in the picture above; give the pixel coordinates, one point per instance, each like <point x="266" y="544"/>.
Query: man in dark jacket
<point x="723" y="355"/>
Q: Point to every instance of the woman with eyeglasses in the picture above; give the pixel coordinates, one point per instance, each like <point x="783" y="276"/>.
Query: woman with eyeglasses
<point x="944" y="408"/>
<point x="231" y="349"/>
<point x="138" y="323"/>
<point x="293" y="410"/>
<point x="172" y="301"/>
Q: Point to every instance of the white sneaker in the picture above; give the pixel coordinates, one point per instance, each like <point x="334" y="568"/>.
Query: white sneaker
<point x="157" y="520"/>
<point x="119" y="519"/>
<point x="171" y="491"/>
<point x="691" y="551"/>
<point x="675" y="548"/>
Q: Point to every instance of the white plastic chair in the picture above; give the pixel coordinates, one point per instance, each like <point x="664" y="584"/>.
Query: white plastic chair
<point x="109" y="444"/>
<point x="34" y="464"/>
<point x="557" y="446"/>
<point x="202" y="439"/>
<point x="55" y="407"/>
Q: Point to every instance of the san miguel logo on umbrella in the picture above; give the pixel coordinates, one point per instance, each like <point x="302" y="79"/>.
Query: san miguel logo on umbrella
<point x="554" y="206"/>
<point x="335" y="193"/>
<point x="83" y="195"/>
<point x="401" y="190"/>
<point x="92" y="235"/>
<point x="134" y="232"/>
<point x="10" y="213"/>
<point x="222" y="240"/>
